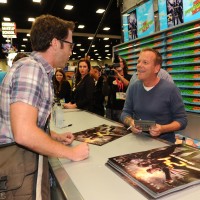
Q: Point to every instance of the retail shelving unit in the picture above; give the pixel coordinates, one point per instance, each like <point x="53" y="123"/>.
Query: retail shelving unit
<point x="180" y="49"/>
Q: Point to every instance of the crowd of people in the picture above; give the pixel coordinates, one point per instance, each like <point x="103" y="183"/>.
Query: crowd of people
<point x="27" y="97"/>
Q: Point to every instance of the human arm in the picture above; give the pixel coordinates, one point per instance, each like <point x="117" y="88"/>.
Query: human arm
<point x="122" y="78"/>
<point x="34" y="138"/>
<point x="65" y="138"/>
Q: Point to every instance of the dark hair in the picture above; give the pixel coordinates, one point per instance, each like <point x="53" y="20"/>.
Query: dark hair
<point x="125" y="69"/>
<point x="56" y="84"/>
<point x="47" y="27"/>
<point x="97" y="67"/>
<point x="78" y="74"/>
<point x="158" y="60"/>
<point x="19" y="56"/>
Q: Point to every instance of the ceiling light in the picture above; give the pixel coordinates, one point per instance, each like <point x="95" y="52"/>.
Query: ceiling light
<point x="96" y="54"/>
<point x="91" y="59"/>
<point x="68" y="7"/>
<point x="7" y="19"/>
<point x="74" y="52"/>
<point x="106" y="50"/>
<point x="95" y="50"/>
<point x="81" y="26"/>
<point x="37" y="1"/>
<point x="106" y="28"/>
<point x="107" y="45"/>
<point x="93" y="45"/>
<point x="100" y="11"/>
<point x="23" y="45"/>
<point x="99" y="56"/>
<point x="108" y="57"/>
<point x="108" y="54"/>
<point x="105" y="38"/>
<point x="8" y="40"/>
<point x="31" y="19"/>
<point x="25" y="39"/>
<point x="28" y="35"/>
<point x="90" y="38"/>
<point x="78" y="45"/>
<point x="82" y="49"/>
<point x="3" y="1"/>
<point x="22" y="50"/>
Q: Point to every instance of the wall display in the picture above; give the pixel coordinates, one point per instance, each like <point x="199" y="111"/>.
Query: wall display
<point x="101" y="135"/>
<point x="175" y="12"/>
<point x="136" y="24"/>
<point x="180" y="49"/>
<point x="162" y="170"/>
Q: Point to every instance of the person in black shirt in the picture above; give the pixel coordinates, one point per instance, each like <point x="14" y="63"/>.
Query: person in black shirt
<point x="82" y="92"/>
<point x="117" y="86"/>
<point x="62" y="88"/>
<point x="98" y="97"/>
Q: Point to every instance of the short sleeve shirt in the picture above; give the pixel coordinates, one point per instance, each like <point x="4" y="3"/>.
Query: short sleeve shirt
<point x="28" y="81"/>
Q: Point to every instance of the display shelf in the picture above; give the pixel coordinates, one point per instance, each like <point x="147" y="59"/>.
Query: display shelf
<point x="180" y="49"/>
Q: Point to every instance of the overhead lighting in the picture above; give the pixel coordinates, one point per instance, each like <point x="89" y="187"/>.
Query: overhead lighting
<point x="37" y="1"/>
<point x="82" y="49"/>
<point x="6" y="19"/>
<point x="8" y="41"/>
<point x="3" y="1"/>
<point x="108" y="57"/>
<point x="74" y="53"/>
<point x="23" y="45"/>
<point x="107" y="45"/>
<point x="78" y="45"/>
<point x="28" y="35"/>
<point x="68" y="7"/>
<point x="81" y="26"/>
<point x="93" y="45"/>
<point x="95" y="50"/>
<point x="105" y="38"/>
<point x="91" y="59"/>
<point x="100" y="11"/>
<point x="108" y="54"/>
<point x="106" y="50"/>
<point x="22" y="50"/>
<point x="90" y="38"/>
<point x="31" y="19"/>
<point x="25" y="39"/>
<point x="106" y="28"/>
<point x="96" y="54"/>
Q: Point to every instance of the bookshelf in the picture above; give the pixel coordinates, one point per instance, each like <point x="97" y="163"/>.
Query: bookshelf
<point x="180" y="49"/>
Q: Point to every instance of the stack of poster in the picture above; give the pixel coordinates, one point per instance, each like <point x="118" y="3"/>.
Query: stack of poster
<point x="160" y="171"/>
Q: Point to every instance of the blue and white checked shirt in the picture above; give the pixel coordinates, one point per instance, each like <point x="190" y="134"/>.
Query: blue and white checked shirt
<point x="29" y="81"/>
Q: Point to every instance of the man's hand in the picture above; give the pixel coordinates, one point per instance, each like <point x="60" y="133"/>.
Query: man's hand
<point x="80" y="152"/>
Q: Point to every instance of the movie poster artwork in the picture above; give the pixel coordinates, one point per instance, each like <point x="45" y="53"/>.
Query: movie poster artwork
<point x="176" y="12"/>
<point x="162" y="170"/>
<point x="101" y="135"/>
<point x="132" y="25"/>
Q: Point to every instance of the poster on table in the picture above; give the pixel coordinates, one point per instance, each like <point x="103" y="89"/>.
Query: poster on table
<point x="136" y="24"/>
<point x="175" y="12"/>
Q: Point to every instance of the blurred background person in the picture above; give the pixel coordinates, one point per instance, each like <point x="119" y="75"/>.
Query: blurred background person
<point x="82" y="92"/>
<point x="117" y="85"/>
<point x="62" y="88"/>
<point x="98" y="97"/>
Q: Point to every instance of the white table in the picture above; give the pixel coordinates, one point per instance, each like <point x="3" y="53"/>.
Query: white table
<point x="91" y="179"/>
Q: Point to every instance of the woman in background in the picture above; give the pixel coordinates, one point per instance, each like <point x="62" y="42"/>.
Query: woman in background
<point x="62" y="88"/>
<point x="82" y="92"/>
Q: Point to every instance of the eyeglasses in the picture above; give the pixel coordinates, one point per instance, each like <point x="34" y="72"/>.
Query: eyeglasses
<point x="71" y="44"/>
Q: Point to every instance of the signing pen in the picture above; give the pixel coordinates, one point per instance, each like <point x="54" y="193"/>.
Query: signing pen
<point x="129" y="128"/>
<point x="67" y="126"/>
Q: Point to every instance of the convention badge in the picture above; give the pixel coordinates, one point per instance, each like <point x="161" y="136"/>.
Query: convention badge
<point x="120" y="95"/>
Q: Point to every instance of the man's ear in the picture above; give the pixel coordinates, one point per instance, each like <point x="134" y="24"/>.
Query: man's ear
<point x="157" y="68"/>
<point x="54" y="43"/>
